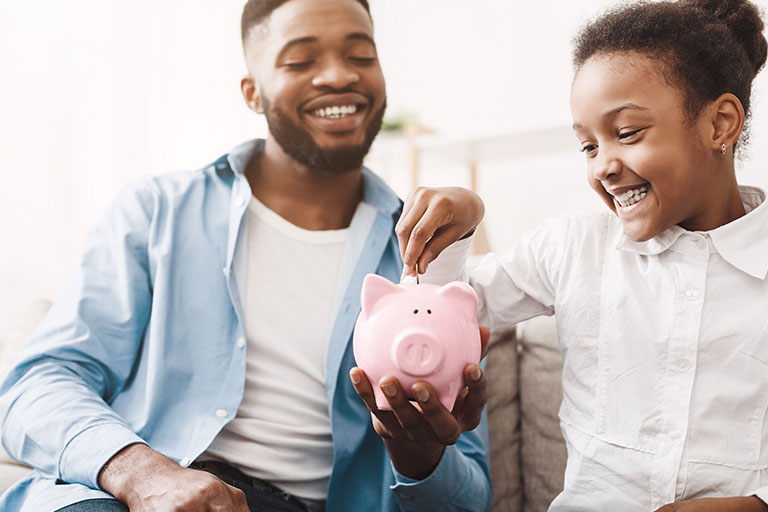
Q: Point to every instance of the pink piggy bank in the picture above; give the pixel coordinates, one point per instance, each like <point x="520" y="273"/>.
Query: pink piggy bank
<point x="417" y="332"/>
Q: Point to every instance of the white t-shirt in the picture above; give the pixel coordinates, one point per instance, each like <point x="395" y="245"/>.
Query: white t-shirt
<point x="665" y="352"/>
<point x="282" y="431"/>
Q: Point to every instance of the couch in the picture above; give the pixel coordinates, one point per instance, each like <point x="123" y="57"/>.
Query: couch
<point x="523" y="370"/>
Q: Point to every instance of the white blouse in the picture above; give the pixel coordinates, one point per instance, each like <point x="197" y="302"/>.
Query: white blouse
<point x="665" y="352"/>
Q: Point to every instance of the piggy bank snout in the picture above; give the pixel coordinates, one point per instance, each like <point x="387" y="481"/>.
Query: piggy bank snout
<point x="417" y="352"/>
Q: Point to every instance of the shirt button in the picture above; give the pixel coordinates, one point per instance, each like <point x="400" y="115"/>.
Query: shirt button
<point x="240" y="342"/>
<point x="683" y="364"/>
<point x="692" y="294"/>
<point x="701" y="243"/>
<point x="239" y="202"/>
<point x="185" y="461"/>
<point x="221" y="413"/>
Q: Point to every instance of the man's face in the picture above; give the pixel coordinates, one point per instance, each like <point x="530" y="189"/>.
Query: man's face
<point x="318" y="81"/>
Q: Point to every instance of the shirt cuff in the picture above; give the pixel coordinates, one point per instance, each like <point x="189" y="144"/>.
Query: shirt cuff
<point x="87" y="453"/>
<point x="762" y="493"/>
<point x="447" y="478"/>
<point x="449" y="265"/>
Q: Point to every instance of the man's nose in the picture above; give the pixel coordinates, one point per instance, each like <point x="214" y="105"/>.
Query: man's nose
<point x="337" y="74"/>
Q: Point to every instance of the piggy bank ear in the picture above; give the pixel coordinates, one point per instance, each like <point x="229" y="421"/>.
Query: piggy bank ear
<point x="460" y="293"/>
<point x="374" y="288"/>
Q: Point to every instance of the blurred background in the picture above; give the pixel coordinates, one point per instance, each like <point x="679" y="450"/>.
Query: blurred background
<point x="95" y="94"/>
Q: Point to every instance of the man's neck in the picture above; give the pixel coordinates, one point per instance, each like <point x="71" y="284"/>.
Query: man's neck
<point x="303" y="196"/>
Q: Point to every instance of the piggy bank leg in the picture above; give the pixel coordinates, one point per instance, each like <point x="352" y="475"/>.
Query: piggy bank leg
<point x="381" y="399"/>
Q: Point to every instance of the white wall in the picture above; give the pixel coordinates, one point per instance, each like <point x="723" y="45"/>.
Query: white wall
<point x="94" y="94"/>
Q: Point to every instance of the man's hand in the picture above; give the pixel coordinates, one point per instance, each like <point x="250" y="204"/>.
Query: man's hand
<point x="146" y="480"/>
<point x="416" y="434"/>
<point x="434" y="218"/>
<point x="739" y="504"/>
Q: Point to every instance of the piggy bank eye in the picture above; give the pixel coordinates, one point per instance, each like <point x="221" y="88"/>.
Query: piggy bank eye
<point x="415" y="311"/>
<point x="429" y="311"/>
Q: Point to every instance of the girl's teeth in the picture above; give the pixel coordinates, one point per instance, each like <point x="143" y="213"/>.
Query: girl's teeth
<point x="632" y="196"/>
<point x="335" y="112"/>
<point x="629" y="201"/>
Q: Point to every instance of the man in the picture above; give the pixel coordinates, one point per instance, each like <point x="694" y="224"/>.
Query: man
<point x="198" y="358"/>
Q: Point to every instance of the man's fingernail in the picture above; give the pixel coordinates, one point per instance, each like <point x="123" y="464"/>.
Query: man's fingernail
<point x="422" y="393"/>
<point x="389" y="389"/>
<point x="476" y="374"/>
<point x="355" y="376"/>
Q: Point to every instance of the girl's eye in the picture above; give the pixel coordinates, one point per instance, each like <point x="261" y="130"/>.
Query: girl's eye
<point x="589" y="148"/>
<point x="630" y="134"/>
<point x="362" y="60"/>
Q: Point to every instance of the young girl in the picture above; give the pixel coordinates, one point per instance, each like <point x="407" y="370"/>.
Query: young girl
<point x="661" y="303"/>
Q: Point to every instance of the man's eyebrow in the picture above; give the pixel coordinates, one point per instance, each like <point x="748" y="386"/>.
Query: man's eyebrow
<point x="361" y="36"/>
<point x="294" y="42"/>
<point x="616" y="111"/>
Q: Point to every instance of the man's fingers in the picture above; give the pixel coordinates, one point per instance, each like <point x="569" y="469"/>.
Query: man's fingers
<point x="443" y="423"/>
<point x="485" y="336"/>
<point x="409" y="418"/>
<point x="364" y="389"/>
<point x="476" y="398"/>
<point x="238" y="499"/>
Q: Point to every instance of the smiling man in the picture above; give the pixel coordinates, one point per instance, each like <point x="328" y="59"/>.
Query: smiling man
<point x="200" y="356"/>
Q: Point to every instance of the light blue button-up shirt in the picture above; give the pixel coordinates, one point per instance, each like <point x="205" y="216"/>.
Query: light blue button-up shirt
<point x="141" y="346"/>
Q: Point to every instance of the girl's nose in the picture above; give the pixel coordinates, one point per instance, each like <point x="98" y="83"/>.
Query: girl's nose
<point x="606" y="167"/>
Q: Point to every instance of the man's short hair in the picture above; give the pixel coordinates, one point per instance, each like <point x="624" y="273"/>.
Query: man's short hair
<point x="256" y="11"/>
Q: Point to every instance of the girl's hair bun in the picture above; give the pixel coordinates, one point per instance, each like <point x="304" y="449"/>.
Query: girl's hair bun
<point x="743" y="19"/>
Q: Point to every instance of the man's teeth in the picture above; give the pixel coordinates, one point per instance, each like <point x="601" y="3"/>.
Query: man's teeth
<point x="630" y="197"/>
<point x="335" y="112"/>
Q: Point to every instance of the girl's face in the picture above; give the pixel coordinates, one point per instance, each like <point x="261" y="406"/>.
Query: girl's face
<point x="646" y="158"/>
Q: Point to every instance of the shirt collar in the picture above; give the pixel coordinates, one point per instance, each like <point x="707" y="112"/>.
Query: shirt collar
<point x="743" y="242"/>
<point x="375" y="191"/>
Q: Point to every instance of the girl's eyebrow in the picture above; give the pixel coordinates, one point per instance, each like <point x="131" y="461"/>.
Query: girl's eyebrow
<point x="616" y="111"/>
<point x="627" y="106"/>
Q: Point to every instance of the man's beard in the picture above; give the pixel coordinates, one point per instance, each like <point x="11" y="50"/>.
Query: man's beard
<point x="299" y="144"/>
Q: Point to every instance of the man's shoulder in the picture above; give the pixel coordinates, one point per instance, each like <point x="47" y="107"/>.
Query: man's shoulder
<point x="182" y="182"/>
<point x="379" y="194"/>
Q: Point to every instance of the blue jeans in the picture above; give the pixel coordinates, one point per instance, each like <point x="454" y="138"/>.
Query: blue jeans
<point x="102" y="505"/>
<point x="261" y="496"/>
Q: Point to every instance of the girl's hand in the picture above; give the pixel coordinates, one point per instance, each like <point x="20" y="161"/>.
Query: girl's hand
<point x="740" y="504"/>
<point x="432" y="219"/>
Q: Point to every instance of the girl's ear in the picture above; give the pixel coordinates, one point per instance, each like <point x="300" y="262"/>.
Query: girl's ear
<point x="251" y="94"/>
<point x="728" y="121"/>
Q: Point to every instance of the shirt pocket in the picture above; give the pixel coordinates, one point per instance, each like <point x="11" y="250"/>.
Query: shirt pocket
<point x="729" y="406"/>
<point x="631" y="384"/>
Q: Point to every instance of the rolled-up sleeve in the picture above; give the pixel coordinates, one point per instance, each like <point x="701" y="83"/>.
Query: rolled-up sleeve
<point x="54" y="403"/>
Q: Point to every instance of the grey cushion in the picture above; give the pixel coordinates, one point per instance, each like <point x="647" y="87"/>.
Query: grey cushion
<point x="504" y="421"/>
<point x="543" y="448"/>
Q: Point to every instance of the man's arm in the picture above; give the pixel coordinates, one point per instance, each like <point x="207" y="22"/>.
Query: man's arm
<point x="54" y="404"/>
<point x="147" y="480"/>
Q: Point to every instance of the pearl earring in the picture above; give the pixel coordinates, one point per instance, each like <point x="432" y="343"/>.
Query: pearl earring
<point x="723" y="148"/>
